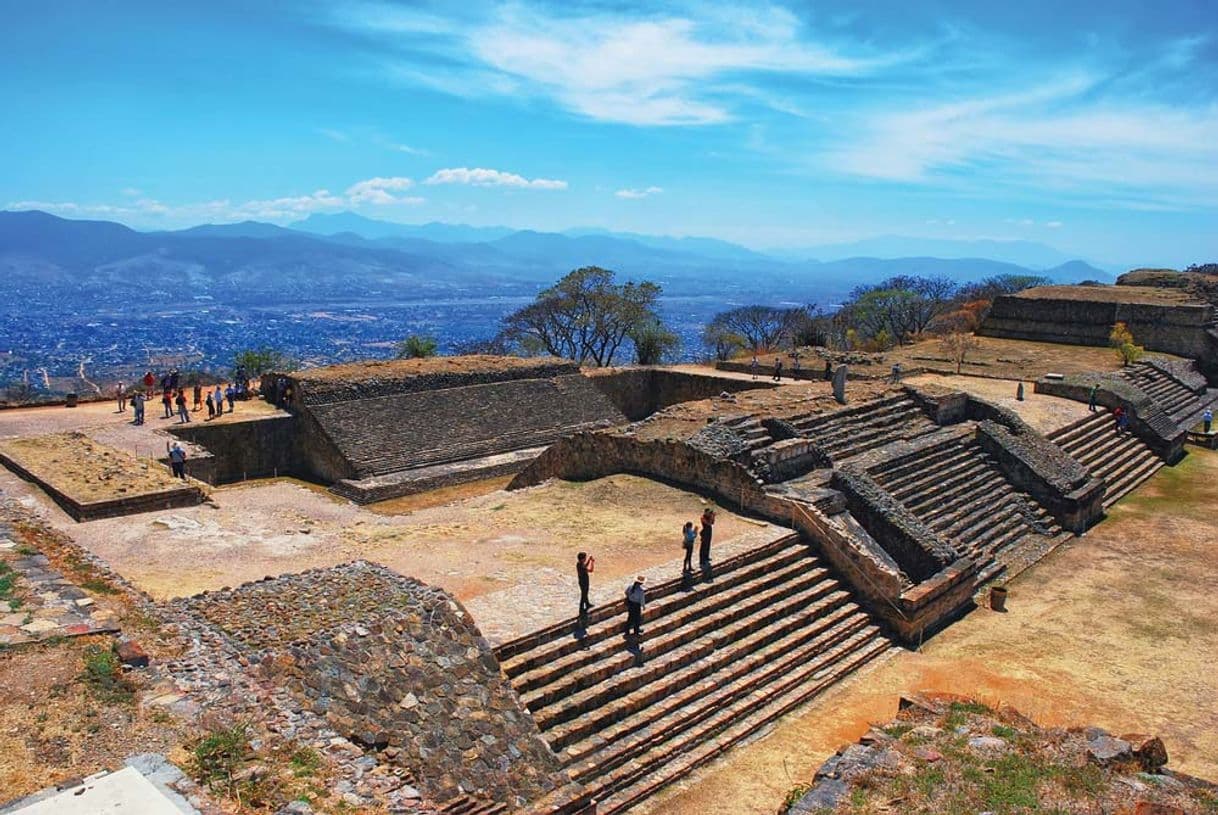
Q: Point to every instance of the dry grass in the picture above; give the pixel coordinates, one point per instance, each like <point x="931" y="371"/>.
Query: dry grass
<point x="86" y="470"/>
<point x="407" y="368"/>
<point x="1109" y="294"/>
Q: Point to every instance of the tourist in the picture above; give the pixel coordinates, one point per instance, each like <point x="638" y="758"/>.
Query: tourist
<point x="174" y="378"/>
<point x="635" y="599"/>
<point x="688" y="534"/>
<point x="198" y="394"/>
<point x="828" y="371"/>
<point x="120" y="393"/>
<point x="777" y="369"/>
<point x="230" y="393"/>
<point x="167" y="403"/>
<point x="708" y="524"/>
<point x="165" y="384"/>
<point x="177" y="461"/>
<point x="584" y="566"/>
<point x="1208" y="418"/>
<point x="218" y="395"/>
<point x="137" y="405"/>
<point x="753" y="366"/>
<point x="896" y="373"/>
<point x="1091" y="398"/>
<point x="149" y="381"/>
<point x="795" y="364"/>
<point x="183" y="413"/>
<point x="1118" y="416"/>
<point x="211" y="407"/>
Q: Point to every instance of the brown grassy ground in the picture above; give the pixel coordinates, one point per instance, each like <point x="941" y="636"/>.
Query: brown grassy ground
<point x="1115" y="629"/>
<point x="407" y="368"/>
<point x="1109" y="294"/>
<point x="87" y="471"/>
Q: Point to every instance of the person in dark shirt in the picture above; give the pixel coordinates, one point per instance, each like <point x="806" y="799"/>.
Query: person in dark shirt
<point x="708" y="528"/>
<point x="688" y="535"/>
<point x="636" y="598"/>
<point x="584" y="566"/>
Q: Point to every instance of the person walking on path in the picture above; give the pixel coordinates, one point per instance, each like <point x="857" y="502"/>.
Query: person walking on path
<point x="777" y="369"/>
<point x="183" y="413"/>
<point x="137" y="405"/>
<point x="708" y="528"/>
<point x="753" y="366"/>
<point x="167" y="403"/>
<point x="198" y="394"/>
<point x="177" y="461"/>
<point x="688" y="534"/>
<point x="120" y="393"/>
<point x="636" y="598"/>
<point x="218" y="395"/>
<point x="1208" y="418"/>
<point x="584" y="566"/>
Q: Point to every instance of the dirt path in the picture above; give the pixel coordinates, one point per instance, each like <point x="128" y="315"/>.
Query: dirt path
<point x="1116" y="629"/>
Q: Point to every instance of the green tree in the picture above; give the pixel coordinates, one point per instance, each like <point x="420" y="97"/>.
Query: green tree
<point x="654" y="344"/>
<point x="257" y="361"/>
<point x="586" y="316"/>
<point x="416" y="347"/>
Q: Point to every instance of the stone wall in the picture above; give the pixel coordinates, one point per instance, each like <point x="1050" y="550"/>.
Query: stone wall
<point x="1176" y="328"/>
<point x="640" y="392"/>
<point x="395" y="666"/>
<point x="916" y="548"/>
<point x="253" y="448"/>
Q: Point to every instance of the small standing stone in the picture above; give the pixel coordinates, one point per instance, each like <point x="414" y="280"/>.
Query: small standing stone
<point x="839" y="384"/>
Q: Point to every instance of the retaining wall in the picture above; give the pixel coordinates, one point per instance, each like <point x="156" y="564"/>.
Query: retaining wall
<point x="640" y="392"/>
<point x="254" y="448"/>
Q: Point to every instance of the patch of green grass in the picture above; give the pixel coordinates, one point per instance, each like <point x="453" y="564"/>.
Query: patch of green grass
<point x="98" y="586"/>
<point x="304" y="762"/>
<point x="8" y="581"/>
<point x="1088" y="779"/>
<point x="928" y="780"/>
<point x="1012" y="786"/>
<point x="896" y="730"/>
<point x="217" y="756"/>
<point x="103" y="674"/>
<point x="1004" y="732"/>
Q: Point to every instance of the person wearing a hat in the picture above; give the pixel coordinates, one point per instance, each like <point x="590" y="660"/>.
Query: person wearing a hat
<point x="635" y="599"/>
<point x="177" y="461"/>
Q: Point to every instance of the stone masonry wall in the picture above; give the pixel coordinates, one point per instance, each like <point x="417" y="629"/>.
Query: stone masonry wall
<point x="250" y="449"/>
<point x="640" y="392"/>
<point x="395" y="666"/>
<point x="374" y="380"/>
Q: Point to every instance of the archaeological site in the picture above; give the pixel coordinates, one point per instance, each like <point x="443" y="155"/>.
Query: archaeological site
<point x="362" y="595"/>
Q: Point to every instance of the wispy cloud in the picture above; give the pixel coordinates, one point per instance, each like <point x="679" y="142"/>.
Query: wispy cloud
<point x="482" y="177"/>
<point x="380" y="191"/>
<point x="631" y="193"/>
<point x="334" y="135"/>
<point x="675" y="69"/>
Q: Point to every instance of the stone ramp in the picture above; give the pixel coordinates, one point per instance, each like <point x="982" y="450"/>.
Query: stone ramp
<point x="719" y="660"/>
<point x="1123" y="460"/>
<point x="403" y="431"/>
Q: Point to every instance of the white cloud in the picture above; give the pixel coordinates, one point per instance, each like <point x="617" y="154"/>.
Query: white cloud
<point x="638" y="193"/>
<point x="1053" y="224"/>
<point x="378" y="190"/>
<point x="674" y="69"/>
<point x="409" y="150"/>
<point x="481" y="177"/>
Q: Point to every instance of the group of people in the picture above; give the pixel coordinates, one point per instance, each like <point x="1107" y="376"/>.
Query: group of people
<point x="174" y="399"/>
<point x="636" y="594"/>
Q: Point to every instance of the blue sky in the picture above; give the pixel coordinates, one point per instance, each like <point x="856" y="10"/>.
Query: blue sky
<point x="1089" y="126"/>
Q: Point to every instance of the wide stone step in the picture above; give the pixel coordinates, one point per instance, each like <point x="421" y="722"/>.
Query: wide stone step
<point x="864" y="412"/>
<point x="608" y="662"/>
<point x="1104" y="459"/>
<point x="1130" y="480"/>
<point x="608" y="644"/>
<point x="683" y="760"/>
<point x="895" y="426"/>
<point x="524" y="652"/>
<point x="981" y="508"/>
<point x="993" y="537"/>
<point x="577" y="742"/>
<point x="693" y="660"/>
<point x="899" y="476"/>
<point x="858" y="445"/>
<point x="960" y="486"/>
<point x="715" y="709"/>
<point x="1064" y="436"/>
<point x="667" y="598"/>
<point x="963" y="469"/>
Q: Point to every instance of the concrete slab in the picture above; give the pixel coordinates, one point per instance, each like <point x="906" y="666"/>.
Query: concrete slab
<point x="127" y="791"/>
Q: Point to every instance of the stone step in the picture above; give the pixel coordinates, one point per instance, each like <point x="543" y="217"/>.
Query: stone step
<point x="974" y="512"/>
<point x="1129" y="477"/>
<point x="863" y="412"/>
<point x="1103" y="460"/>
<point x="578" y="743"/>
<point x="727" y="573"/>
<point x="775" y="576"/>
<point x="608" y="662"/>
<point x="693" y="660"/>
<point x="468" y="805"/>
<point x="1095" y="430"/>
<point x="893" y="425"/>
<point x="1063" y="436"/>
<point x="703" y="719"/>
<point x="939" y="477"/>
<point x="856" y="445"/>
<point x="897" y="477"/>
<point x="959" y="486"/>
<point x="676" y="766"/>
<point x="526" y="653"/>
<point x="994" y="538"/>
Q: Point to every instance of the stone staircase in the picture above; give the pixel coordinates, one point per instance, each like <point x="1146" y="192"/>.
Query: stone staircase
<point x="719" y="660"/>
<point x="960" y="491"/>
<point x="1124" y="461"/>
<point x="752" y="432"/>
<point x="1172" y="397"/>
<point x="846" y="433"/>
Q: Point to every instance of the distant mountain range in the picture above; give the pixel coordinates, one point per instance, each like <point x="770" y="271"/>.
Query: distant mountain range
<point x="346" y="256"/>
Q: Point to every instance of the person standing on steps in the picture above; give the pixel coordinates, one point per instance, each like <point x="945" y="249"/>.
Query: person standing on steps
<point x="1091" y="398"/>
<point x="1208" y="418"/>
<point x="1118" y="417"/>
<point x="584" y="566"/>
<point x="688" y="534"/>
<point x="708" y="528"/>
<point x="149" y="382"/>
<point x="636" y="598"/>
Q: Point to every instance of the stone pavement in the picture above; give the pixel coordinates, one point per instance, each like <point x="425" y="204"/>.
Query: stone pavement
<point x="46" y="604"/>
<point x="148" y="785"/>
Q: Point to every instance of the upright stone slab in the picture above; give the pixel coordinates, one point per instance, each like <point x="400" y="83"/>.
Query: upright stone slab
<point x="839" y="384"/>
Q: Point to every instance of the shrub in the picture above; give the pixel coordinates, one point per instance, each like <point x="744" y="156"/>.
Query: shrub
<point x="103" y="674"/>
